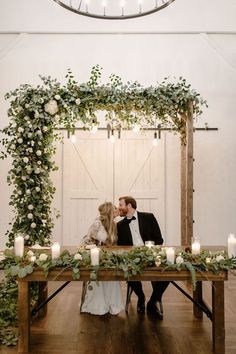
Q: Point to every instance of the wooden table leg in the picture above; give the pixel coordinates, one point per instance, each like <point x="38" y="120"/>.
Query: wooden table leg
<point x="23" y="316"/>
<point x="43" y="294"/>
<point x="197" y="296"/>
<point x="218" y="317"/>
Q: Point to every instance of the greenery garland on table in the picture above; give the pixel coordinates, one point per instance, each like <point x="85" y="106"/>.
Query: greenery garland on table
<point x="130" y="262"/>
<point x="36" y="114"/>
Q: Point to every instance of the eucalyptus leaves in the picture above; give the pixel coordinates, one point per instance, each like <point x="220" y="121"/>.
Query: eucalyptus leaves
<point x="36" y="114"/>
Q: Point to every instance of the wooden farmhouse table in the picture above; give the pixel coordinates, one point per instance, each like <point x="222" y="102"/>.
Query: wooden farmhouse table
<point x="149" y="274"/>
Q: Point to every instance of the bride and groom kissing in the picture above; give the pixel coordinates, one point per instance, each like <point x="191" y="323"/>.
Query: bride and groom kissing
<point x="134" y="229"/>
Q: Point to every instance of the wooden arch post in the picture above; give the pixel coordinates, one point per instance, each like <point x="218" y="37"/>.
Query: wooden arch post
<point x="187" y="180"/>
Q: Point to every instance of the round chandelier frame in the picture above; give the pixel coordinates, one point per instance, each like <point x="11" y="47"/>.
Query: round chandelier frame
<point x="83" y="8"/>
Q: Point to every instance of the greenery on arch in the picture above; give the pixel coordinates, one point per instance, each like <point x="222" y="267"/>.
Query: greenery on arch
<point x="37" y="113"/>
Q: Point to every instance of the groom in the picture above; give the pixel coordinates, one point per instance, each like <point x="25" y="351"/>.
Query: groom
<point x="135" y="229"/>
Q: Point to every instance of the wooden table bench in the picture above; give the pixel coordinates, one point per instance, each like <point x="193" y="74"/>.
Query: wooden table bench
<point x="149" y="274"/>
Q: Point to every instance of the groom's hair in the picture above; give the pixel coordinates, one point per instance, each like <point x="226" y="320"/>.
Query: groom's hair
<point x="129" y="200"/>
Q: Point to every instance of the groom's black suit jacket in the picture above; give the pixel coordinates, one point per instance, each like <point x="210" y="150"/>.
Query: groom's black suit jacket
<point x="148" y="227"/>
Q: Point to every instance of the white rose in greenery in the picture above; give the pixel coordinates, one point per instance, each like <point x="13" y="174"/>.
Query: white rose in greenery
<point x="30" y="216"/>
<point x="38" y="152"/>
<point x="43" y="257"/>
<point x="30" y="150"/>
<point x="13" y="146"/>
<point x="46" y="240"/>
<point x="26" y="237"/>
<point x="37" y="189"/>
<point x="77" y="101"/>
<point x="208" y="260"/>
<point x="33" y="225"/>
<point x="179" y="260"/>
<point x="45" y="129"/>
<point x="78" y="257"/>
<point x="51" y="107"/>
<point x="39" y="143"/>
<point x="30" y="135"/>
<point x="20" y="140"/>
<point x="25" y="159"/>
<point x="158" y="263"/>
<point x="30" y="207"/>
<point x="32" y="259"/>
<point x="57" y="97"/>
<point x="20" y="130"/>
<point x="41" y="100"/>
<point x="19" y="192"/>
<point x="219" y="258"/>
<point x="23" y="178"/>
<point x="28" y="191"/>
<point x="36" y="114"/>
<point x="39" y="132"/>
<point x="26" y="105"/>
<point x="39" y="162"/>
<point x="30" y="253"/>
<point x="32" y="143"/>
<point x="37" y="171"/>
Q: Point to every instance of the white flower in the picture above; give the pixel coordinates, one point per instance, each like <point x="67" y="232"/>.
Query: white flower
<point x="39" y="143"/>
<point x="45" y="129"/>
<point x="26" y="237"/>
<point x="32" y="258"/>
<point x="43" y="257"/>
<point x="26" y="105"/>
<point x="179" y="260"/>
<point x="20" y="140"/>
<point x="30" y="207"/>
<point x="208" y="260"/>
<point x="38" y="152"/>
<point x="33" y="225"/>
<point x="219" y="258"/>
<point x="32" y="143"/>
<point x="78" y="257"/>
<point x="36" y="114"/>
<point x="158" y="263"/>
<point x="23" y="178"/>
<point x="28" y="191"/>
<point x="30" y="135"/>
<point x="37" y="171"/>
<point x="20" y="130"/>
<point x="77" y="101"/>
<point x="39" y="162"/>
<point x="13" y="146"/>
<point x="30" y="216"/>
<point x="19" y="192"/>
<point x="51" y="107"/>
<point x="25" y="159"/>
<point x="39" y="132"/>
<point x="57" y="97"/>
<point x="37" y="189"/>
<point x="46" y="240"/>
<point x="30" y="253"/>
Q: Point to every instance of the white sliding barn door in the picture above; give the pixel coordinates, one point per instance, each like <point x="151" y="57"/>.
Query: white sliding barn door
<point x="95" y="171"/>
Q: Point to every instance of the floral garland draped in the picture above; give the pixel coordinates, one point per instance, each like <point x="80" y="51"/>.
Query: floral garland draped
<point x="37" y="113"/>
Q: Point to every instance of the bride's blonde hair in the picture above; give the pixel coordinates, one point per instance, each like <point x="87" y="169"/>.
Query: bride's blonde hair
<point x="106" y="211"/>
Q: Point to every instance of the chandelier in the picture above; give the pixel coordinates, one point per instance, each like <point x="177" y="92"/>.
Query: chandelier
<point x="114" y="9"/>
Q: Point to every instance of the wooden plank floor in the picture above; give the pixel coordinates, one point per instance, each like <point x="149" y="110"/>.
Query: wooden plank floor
<point x="65" y="331"/>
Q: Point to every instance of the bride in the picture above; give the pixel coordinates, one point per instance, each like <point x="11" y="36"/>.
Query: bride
<point x="104" y="296"/>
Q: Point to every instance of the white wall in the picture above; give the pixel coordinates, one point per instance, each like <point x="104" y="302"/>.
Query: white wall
<point x="208" y="62"/>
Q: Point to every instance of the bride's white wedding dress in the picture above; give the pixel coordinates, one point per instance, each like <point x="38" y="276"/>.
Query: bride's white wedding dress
<point x="104" y="296"/>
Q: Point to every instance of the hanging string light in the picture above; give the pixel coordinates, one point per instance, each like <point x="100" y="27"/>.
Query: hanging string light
<point x="128" y="8"/>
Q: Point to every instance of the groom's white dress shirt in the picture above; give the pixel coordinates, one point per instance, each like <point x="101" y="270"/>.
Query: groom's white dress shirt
<point x="135" y="232"/>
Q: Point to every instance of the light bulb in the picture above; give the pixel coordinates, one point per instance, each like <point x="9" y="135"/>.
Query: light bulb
<point x="94" y="129"/>
<point x="136" y="128"/>
<point x="73" y="139"/>
<point x="112" y="139"/>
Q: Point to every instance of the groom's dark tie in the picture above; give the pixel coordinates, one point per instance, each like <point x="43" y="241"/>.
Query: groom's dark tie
<point x="129" y="220"/>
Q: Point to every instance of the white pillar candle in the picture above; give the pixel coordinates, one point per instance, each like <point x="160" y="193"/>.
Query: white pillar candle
<point x="19" y="245"/>
<point x="231" y="245"/>
<point x="56" y="250"/>
<point x="196" y="247"/>
<point x="170" y="255"/>
<point x="149" y="244"/>
<point x="94" y="253"/>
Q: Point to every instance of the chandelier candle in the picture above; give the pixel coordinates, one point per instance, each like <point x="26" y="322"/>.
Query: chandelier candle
<point x="231" y="245"/>
<point x="94" y="253"/>
<point x="56" y="250"/>
<point x="196" y="247"/>
<point x="170" y="255"/>
<point x="19" y="245"/>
